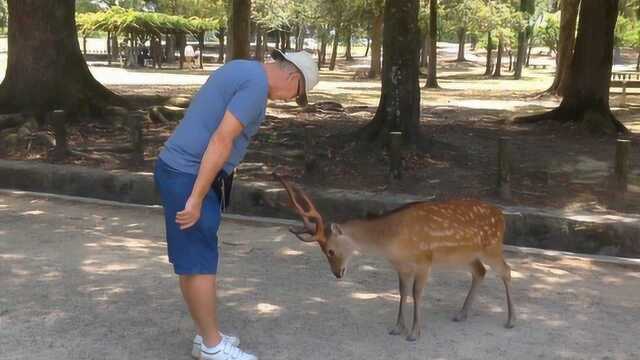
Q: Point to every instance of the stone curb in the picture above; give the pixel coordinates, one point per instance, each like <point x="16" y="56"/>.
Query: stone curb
<point x="590" y="233"/>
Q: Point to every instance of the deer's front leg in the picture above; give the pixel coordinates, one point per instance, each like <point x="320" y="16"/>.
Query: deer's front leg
<point x="405" y="283"/>
<point x="420" y="282"/>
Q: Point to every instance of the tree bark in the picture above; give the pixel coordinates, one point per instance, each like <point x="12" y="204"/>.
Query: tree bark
<point x="181" y="42"/>
<point x="300" y="38"/>
<point x="568" y="20"/>
<point x="432" y="77"/>
<point x="366" y="52"/>
<point x="527" y="6"/>
<point x="347" y="53"/>
<point x="323" y="51"/>
<point x="220" y="37"/>
<point x="399" y="108"/>
<point x="109" y="47"/>
<point x="334" y="52"/>
<point x="201" y="37"/>
<point x="462" y="34"/>
<point x="376" y="46"/>
<point x="488" y="68"/>
<point x="586" y="100"/>
<point x="241" y="17"/>
<point x="498" y="70"/>
<point x="48" y="71"/>
<point x="426" y="44"/>
<point x="170" y="48"/>
<point x="259" y="44"/>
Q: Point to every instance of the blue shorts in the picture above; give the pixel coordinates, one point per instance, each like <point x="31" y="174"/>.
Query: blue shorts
<point x="194" y="250"/>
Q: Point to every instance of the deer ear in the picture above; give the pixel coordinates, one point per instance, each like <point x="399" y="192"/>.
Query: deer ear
<point x="336" y="229"/>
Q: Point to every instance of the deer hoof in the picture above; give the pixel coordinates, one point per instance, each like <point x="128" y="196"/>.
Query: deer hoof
<point x="509" y="325"/>
<point x="460" y="317"/>
<point x="397" y="330"/>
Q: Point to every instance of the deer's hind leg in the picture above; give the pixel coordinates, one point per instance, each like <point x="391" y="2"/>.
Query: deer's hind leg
<point x="497" y="263"/>
<point x="477" y="272"/>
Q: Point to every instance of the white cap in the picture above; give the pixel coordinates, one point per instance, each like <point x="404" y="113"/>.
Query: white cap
<point x="304" y="62"/>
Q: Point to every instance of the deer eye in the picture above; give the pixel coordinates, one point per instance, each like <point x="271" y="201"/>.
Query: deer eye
<point x="331" y="253"/>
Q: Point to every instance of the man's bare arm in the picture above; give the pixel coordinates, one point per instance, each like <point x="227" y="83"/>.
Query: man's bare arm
<point x="214" y="158"/>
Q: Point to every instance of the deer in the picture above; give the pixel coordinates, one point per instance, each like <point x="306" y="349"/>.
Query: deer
<point x="463" y="233"/>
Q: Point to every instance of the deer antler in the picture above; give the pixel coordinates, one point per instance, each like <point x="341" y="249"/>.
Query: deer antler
<point x="313" y="222"/>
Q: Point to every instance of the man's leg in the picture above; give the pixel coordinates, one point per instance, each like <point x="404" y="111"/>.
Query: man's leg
<point x="199" y="292"/>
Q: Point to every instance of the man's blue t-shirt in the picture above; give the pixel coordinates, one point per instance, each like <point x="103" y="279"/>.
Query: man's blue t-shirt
<point x="239" y="87"/>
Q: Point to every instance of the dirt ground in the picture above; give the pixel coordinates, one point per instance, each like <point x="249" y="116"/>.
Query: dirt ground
<point x="84" y="280"/>
<point x="553" y="165"/>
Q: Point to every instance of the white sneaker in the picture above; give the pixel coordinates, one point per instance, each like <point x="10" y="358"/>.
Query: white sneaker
<point x="225" y="351"/>
<point x="197" y="343"/>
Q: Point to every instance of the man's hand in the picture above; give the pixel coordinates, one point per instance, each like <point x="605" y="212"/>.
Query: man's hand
<point x="190" y="215"/>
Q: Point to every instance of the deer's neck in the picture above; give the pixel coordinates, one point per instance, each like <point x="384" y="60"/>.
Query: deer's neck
<point x="369" y="235"/>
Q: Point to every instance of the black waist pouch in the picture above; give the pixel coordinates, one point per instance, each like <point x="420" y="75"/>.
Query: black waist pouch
<point x="222" y="187"/>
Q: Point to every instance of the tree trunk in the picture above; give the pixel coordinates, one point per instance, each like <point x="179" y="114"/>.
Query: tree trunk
<point x="510" y="52"/>
<point x="47" y="72"/>
<point x="366" y="52"/>
<point x="568" y="20"/>
<point x="432" y="77"/>
<point x="399" y="108"/>
<point x="638" y="61"/>
<point x="527" y="6"/>
<point x="489" y="67"/>
<point x="228" y="55"/>
<point x="287" y="45"/>
<point x="283" y="39"/>
<point x="462" y="35"/>
<point x="300" y="38"/>
<point x="498" y="70"/>
<point x="424" y="57"/>
<point x="323" y="51"/>
<point x="347" y="53"/>
<point x="170" y="48"/>
<point x="220" y="36"/>
<point x="334" y="52"/>
<point x="201" y="37"/>
<point x="181" y="40"/>
<point x="521" y="54"/>
<point x="109" y="47"/>
<point x="259" y="44"/>
<point x="376" y="46"/>
<point x="115" y="48"/>
<point x="241" y="17"/>
<point x="586" y="100"/>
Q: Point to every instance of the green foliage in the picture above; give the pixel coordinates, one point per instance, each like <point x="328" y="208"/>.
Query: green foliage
<point x="549" y="32"/>
<point x="627" y="32"/>
<point x="461" y="14"/>
<point x="142" y="24"/>
<point x="4" y="15"/>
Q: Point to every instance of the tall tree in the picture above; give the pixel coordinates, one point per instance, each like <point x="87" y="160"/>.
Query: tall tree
<point x="432" y="73"/>
<point x="376" y="13"/>
<point x="399" y="107"/>
<point x="528" y="7"/>
<point x="376" y="45"/>
<point x="48" y="71"/>
<point x="586" y="100"/>
<point x="566" y="44"/>
<point x="241" y="14"/>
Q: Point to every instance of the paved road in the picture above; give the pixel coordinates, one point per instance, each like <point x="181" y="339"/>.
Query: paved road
<point x="91" y="281"/>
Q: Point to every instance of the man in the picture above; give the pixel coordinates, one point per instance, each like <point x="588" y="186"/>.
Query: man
<point x="204" y="149"/>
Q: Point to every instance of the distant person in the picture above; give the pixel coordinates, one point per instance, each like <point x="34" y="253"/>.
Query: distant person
<point x="196" y="58"/>
<point x="189" y="54"/>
